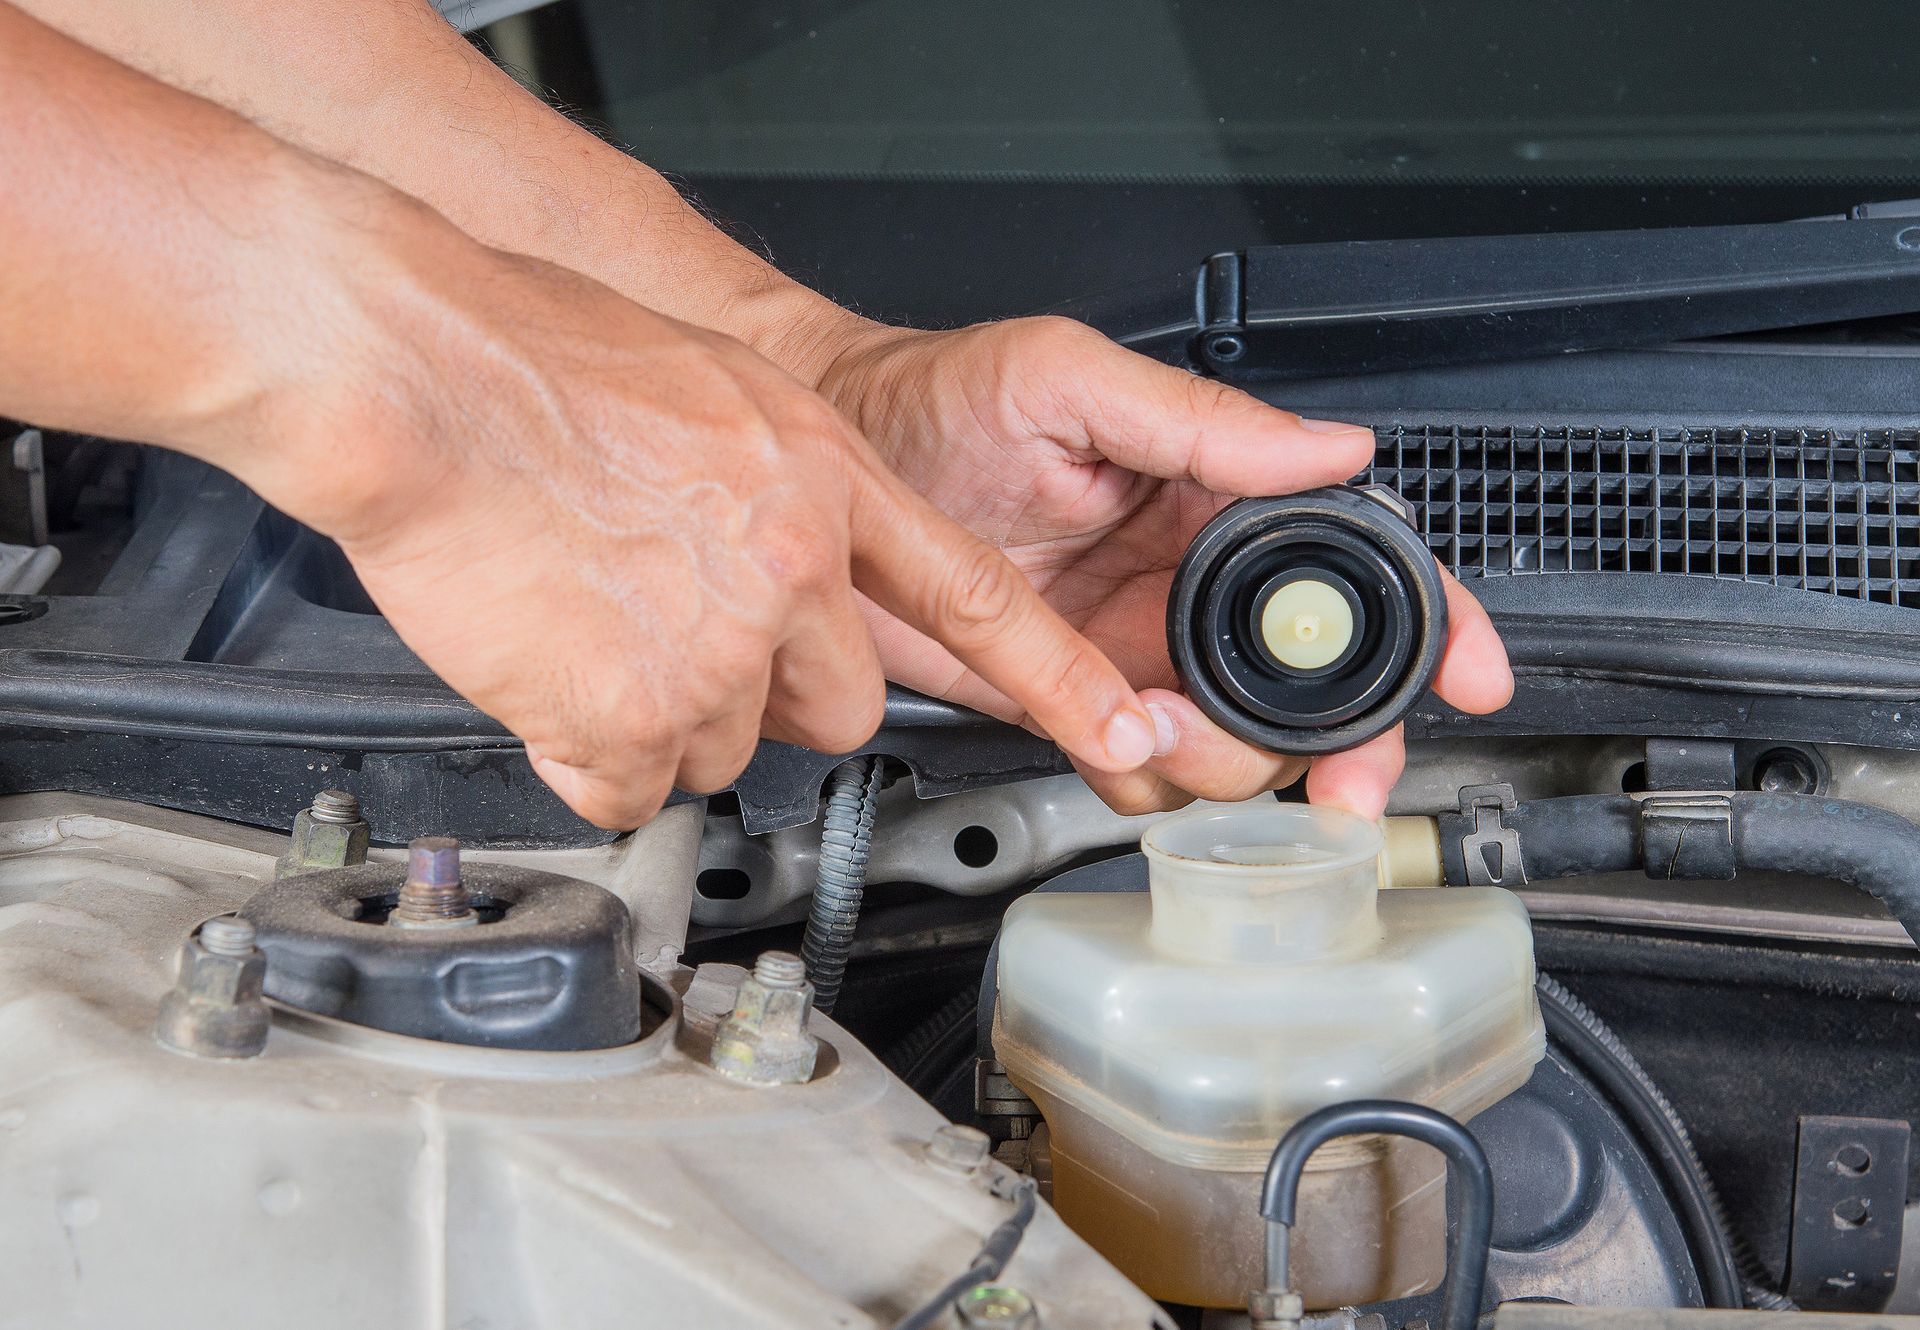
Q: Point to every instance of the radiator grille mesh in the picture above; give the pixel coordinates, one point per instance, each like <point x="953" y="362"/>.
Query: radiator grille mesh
<point x="1825" y="511"/>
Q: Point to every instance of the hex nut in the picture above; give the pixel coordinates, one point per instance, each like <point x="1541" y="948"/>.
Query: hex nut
<point x="996" y="1307"/>
<point x="319" y="843"/>
<point x="1275" y="1309"/>
<point x="765" y="1040"/>
<point x="958" y="1148"/>
<point x="216" y="1008"/>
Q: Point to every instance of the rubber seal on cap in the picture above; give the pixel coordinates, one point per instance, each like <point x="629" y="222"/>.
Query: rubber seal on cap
<point x="1252" y="552"/>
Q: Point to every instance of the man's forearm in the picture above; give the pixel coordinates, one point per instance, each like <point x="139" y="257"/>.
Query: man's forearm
<point x="388" y="87"/>
<point x="171" y="273"/>
<point x="139" y="226"/>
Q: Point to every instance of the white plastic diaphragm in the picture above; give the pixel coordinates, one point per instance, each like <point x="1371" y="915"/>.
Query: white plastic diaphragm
<point x="1307" y="625"/>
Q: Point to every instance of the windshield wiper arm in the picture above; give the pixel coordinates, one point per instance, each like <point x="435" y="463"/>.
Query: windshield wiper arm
<point x="1365" y="306"/>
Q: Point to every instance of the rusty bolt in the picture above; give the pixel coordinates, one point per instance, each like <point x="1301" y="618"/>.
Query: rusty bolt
<point x="330" y="833"/>
<point x="765" y="1040"/>
<point x="216" y="1008"/>
<point x="433" y="895"/>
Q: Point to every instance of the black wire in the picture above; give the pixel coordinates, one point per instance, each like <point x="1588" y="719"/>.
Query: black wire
<point x="846" y="837"/>
<point x="994" y="1254"/>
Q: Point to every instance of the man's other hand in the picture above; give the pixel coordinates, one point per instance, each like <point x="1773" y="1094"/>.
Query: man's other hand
<point x="1093" y="468"/>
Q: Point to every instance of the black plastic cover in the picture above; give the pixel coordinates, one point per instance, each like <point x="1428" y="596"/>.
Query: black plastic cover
<point x="1357" y="307"/>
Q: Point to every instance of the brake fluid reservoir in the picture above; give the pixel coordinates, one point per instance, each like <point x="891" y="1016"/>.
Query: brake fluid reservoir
<point x="1170" y="1037"/>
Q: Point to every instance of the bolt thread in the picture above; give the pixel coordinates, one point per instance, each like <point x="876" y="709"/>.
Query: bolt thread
<point x="433" y="891"/>
<point x="228" y="935"/>
<point x="780" y="969"/>
<point x="335" y="806"/>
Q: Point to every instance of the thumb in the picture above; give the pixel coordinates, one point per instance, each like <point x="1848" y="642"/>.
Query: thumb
<point x="1093" y="395"/>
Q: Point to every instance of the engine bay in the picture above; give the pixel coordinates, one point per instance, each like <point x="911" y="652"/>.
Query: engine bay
<point x="1421" y="506"/>
<point x="323" y="1007"/>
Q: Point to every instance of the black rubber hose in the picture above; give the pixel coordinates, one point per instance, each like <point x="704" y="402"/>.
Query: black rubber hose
<point x="1472" y="1180"/>
<point x="994" y="1254"/>
<point x="937" y="1042"/>
<point x="1858" y="844"/>
<point x="846" y="834"/>
<point x="1597" y="1053"/>
<point x="1577" y="837"/>
<point x="1863" y="846"/>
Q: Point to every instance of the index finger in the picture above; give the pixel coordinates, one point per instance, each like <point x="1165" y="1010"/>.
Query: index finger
<point x="930" y="572"/>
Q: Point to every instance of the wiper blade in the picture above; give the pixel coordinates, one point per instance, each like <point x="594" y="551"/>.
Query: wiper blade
<point x="1366" y="306"/>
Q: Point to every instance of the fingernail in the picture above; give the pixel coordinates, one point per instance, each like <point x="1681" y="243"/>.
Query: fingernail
<point x="1333" y="427"/>
<point x="1129" y="739"/>
<point x="1165" y="736"/>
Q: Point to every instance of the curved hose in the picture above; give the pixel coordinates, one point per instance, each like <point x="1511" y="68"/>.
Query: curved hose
<point x="845" y="837"/>
<point x="994" y="1254"/>
<point x="1858" y="844"/>
<point x="938" y="1041"/>
<point x="1472" y="1179"/>
<point x="1596" y="1051"/>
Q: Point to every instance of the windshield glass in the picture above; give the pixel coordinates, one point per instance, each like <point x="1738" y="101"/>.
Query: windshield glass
<point x="937" y="160"/>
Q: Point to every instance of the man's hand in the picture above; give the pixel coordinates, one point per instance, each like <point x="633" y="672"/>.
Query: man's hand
<point x="1090" y="466"/>
<point x="1093" y="468"/>
<point x="633" y="542"/>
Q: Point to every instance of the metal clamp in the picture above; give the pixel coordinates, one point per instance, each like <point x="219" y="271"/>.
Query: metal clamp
<point x="1492" y="849"/>
<point x="1688" y="836"/>
<point x="1690" y="764"/>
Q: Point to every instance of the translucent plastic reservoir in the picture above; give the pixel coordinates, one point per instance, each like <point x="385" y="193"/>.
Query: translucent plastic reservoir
<point x="1170" y="1038"/>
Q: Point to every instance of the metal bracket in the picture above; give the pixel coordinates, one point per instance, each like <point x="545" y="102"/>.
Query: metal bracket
<point x="1690" y="764"/>
<point x="995" y="1096"/>
<point x="1849" y="1204"/>
<point x="1492" y="849"/>
<point x="1688" y="836"/>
